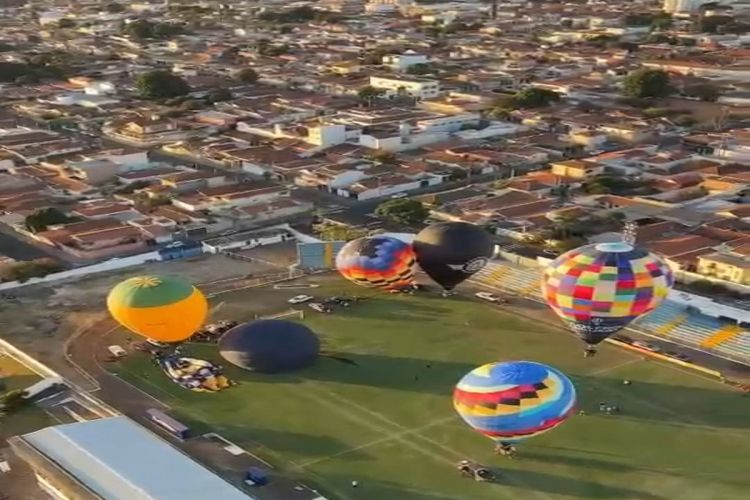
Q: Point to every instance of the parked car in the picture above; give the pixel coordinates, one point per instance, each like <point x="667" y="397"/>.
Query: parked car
<point x="490" y="297"/>
<point x="156" y="343"/>
<point x="317" y="306"/>
<point x="338" y="301"/>
<point x="299" y="299"/>
<point x="647" y="346"/>
<point x="398" y="196"/>
<point x="117" y="351"/>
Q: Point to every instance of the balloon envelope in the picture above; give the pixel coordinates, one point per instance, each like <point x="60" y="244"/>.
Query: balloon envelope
<point x="270" y="346"/>
<point x="515" y="400"/>
<point x="599" y="289"/>
<point x="450" y="252"/>
<point x="164" y="308"/>
<point x="380" y="261"/>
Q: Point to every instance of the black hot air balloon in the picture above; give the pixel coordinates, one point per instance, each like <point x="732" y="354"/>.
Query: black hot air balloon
<point x="450" y="252"/>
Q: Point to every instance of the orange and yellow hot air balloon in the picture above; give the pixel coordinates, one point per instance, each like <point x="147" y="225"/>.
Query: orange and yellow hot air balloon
<point x="163" y="308"/>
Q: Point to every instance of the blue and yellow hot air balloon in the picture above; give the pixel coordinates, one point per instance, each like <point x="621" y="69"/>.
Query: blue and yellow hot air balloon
<point x="163" y="308"/>
<point x="515" y="400"/>
<point x="378" y="261"/>
<point x="599" y="289"/>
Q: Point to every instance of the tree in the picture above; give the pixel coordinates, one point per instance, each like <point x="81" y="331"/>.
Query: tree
<point x="160" y="84"/>
<point x="143" y="29"/>
<point x="338" y="232"/>
<point x="66" y="23"/>
<point x="385" y="157"/>
<point x="114" y="8"/>
<point x="220" y="94"/>
<point x="13" y="401"/>
<point x="646" y="82"/>
<point x="403" y="211"/>
<point x="22" y="271"/>
<point x="369" y="93"/>
<point x="247" y="75"/>
<point x="419" y="69"/>
<point x="712" y="24"/>
<point x="533" y="97"/>
<point x="44" y="217"/>
<point x="704" y="91"/>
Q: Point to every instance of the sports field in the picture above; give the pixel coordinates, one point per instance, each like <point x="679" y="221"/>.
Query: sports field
<point x="385" y="418"/>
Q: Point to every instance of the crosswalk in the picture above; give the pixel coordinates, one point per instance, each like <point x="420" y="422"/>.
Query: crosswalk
<point x="670" y="320"/>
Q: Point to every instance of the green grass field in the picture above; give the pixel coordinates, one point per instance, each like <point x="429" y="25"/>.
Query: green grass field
<point x="389" y="423"/>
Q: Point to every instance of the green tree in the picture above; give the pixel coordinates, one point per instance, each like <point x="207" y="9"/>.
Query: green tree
<point x="646" y="82"/>
<point x="337" y="232"/>
<point x="220" y="94"/>
<point x="66" y="23"/>
<point x="419" y="69"/>
<point x="22" y="271"/>
<point x="160" y="84"/>
<point x="247" y="75"/>
<point x="114" y="8"/>
<point x="403" y="211"/>
<point x="533" y="97"/>
<point x="44" y="217"/>
<point x="384" y="157"/>
<point x="713" y="24"/>
<point x="704" y="91"/>
<point x="369" y="93"/>
<point x="13" y="401"/>
<point x="661" y="21"/>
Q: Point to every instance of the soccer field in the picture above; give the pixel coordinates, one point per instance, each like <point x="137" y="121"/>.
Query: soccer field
<point x="385" y="418"/>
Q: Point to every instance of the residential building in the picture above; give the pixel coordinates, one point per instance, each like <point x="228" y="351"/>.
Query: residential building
<point x="730" y="266"/>
<point x="419" y="88"/>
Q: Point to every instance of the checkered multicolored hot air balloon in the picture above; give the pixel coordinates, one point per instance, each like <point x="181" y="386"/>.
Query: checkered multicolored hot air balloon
<point x="515" y="400"/>
<point x="163" y="308"/>
<point x="599" y="289"/>
<point x="379" y="261"/>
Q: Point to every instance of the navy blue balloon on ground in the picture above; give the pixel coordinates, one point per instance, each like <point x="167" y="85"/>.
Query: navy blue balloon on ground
<point x="270" y="346"/>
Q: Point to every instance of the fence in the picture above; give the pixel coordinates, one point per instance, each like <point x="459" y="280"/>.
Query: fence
<point x="101" y="267"/>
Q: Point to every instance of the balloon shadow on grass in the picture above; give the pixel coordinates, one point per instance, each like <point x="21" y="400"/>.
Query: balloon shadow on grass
<point x="397" y="311"/>
<point x="561" y="485"/>
<point x="589" y="463"/>
<point x="649" y="401"/>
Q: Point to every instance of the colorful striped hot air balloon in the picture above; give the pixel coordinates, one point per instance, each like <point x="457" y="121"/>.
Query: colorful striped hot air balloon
<point x="163" y="308"/>
<point x="515" y="400"/>
<point x="599" y="289"/>
<point x="379" y="261"/>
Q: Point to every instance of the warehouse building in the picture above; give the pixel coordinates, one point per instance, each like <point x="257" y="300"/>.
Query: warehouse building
<point x="116" y="459"/>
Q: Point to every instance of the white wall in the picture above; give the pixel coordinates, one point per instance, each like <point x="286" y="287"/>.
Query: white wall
<point x="110" y="265"/>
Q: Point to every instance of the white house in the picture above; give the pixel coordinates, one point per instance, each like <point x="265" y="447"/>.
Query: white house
<point x="450" y="123"/>
<point x="420" y="88"/>
<point x="402" y="62"/>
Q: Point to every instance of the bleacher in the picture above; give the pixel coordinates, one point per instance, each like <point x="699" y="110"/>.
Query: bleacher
<point x="737" y="345"/>
<point x="671" y="320"/>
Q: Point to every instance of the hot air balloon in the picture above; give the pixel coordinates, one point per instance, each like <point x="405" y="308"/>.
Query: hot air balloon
<point x="514" y="400"/>
<point x="163" y="308"/>
<point x="270" y="346"/>
<point x="379" y="261"/>
<point x="450" y="252"/>
<point x="599" y="289"/>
